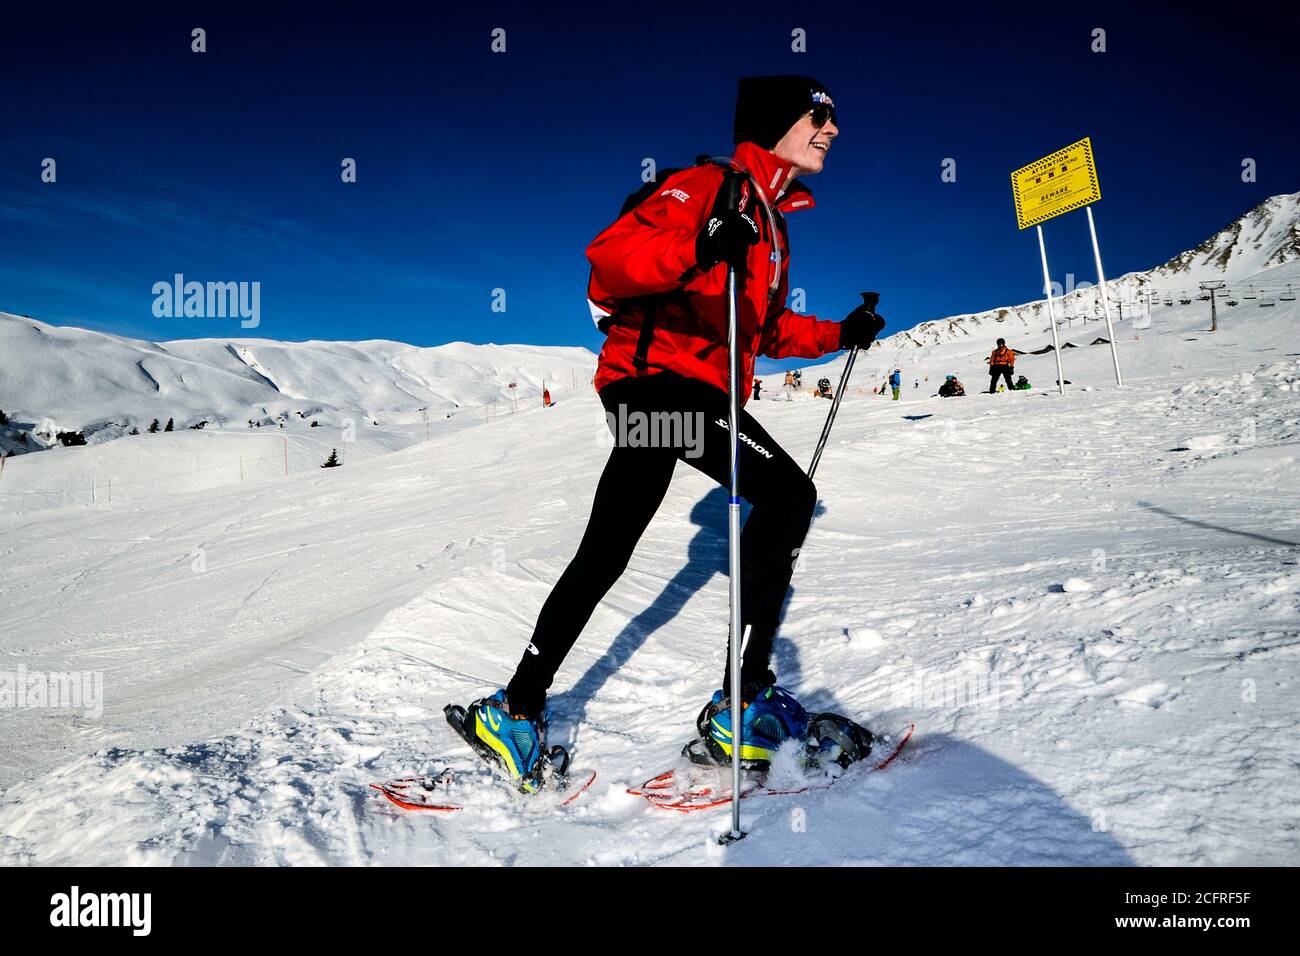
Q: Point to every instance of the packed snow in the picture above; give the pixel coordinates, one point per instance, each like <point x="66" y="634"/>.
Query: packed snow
<point x="1088" y="604"/>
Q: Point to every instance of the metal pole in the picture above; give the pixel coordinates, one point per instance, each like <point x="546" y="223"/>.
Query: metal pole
<point x="1105" y="301"/>
<point x="733" y="545"/>
<point x="1051" y="312"/>
<point x="1212" y="288"/>
<point x="870" y="300"/>
<point x="835" y="407"/>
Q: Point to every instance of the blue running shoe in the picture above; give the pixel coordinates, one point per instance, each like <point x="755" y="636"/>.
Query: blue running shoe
<point x="516" y="742"/>
<point x="771" y="718"/>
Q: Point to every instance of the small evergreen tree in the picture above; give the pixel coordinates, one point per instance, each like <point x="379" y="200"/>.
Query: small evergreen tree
<point x="333" y="460"/>
<point x="4" y="419"/>
<point x="134" y="430"/>
<point x="169" y="425"/>
<point x="154" y="427"/>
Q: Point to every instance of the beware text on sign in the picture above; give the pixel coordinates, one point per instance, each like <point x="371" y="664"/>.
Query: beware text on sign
<point x="1061" y="182"/>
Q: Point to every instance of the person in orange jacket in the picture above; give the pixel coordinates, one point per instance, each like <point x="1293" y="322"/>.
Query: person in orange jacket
<point x="1001" y="363"/>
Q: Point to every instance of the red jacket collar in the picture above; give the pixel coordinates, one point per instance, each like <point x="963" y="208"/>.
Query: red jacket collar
<point x="770" y="172"/>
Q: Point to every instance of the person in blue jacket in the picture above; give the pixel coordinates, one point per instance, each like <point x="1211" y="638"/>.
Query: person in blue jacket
<point x="896" y="382"/>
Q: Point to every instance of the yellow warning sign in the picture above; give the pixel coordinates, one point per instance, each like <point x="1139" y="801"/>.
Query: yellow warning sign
<point x="1059" y="183"/>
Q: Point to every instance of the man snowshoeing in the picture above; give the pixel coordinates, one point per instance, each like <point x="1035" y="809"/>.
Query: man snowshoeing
<point x="658" y="291"/>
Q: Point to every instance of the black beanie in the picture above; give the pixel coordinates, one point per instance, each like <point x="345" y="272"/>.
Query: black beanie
<point x="767" y="106"/>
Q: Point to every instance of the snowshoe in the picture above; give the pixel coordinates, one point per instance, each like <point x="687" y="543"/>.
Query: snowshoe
<point x="831" y="737"/>
<point x="773" y="717"/>
<point x="768" y="720"/>
<point x="517" y="744"/>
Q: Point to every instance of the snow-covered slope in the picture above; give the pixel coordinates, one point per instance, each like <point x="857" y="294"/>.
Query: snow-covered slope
<point x="1089" y="605"/>
<point x="106" y="384"/>
<point x="270" y="408"/>
<point x="1260" y="239"/>
<point x="1266" y="236"/>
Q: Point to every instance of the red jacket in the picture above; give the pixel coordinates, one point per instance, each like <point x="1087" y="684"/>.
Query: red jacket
<point x="663" y="313"/>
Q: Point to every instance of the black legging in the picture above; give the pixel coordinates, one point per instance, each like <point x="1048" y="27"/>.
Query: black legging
<point x="629" y="493"/>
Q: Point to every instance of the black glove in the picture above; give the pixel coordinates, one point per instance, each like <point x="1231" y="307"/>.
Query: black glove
<point x="730" y="231"/>
<point x="861" y="326"/>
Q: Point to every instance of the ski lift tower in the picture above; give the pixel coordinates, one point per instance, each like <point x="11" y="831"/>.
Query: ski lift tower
<point x="1213" y="287"/>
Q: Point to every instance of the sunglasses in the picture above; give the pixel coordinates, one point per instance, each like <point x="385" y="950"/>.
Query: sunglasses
<point x="821" y="113"/>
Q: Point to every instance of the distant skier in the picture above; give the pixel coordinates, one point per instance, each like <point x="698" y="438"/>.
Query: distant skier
<point x="1022" y="384"/>
<point x="896" y="382"/>
<point x="951" y="388"/>
<point x="546" y="397"/>
<point x="1001" y="364"/>
<point x="658" y="291"/>
<point x="824" y="388"/>
<point x="758" y="389"/>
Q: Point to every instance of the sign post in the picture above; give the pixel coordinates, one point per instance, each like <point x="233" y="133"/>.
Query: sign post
<point x="1051" y="313"/>
<point x="1059" y="183"/>
<point x="1105" y="299"/>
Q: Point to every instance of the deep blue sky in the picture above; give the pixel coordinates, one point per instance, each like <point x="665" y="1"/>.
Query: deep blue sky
<point x="480" y="170"/>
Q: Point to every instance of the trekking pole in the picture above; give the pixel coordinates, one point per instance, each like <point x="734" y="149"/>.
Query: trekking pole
<point x="733" y="548"/>
<point x="869" y="299"/>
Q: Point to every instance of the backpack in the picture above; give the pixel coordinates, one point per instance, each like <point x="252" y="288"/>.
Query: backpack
<point x="633" y="200"/>
<point x="663" y="175"/>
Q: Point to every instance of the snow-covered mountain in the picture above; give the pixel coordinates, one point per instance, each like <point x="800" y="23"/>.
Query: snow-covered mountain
<point x="104" y="385"/>
<point x="1260" y="239"/>
<point x="69" y="379"/>
<point x="1266" y="236"/>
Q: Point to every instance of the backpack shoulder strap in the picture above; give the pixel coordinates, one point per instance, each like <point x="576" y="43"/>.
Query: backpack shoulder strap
<point x="662" y="176"/>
